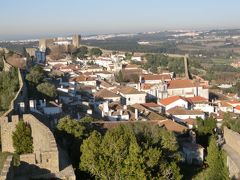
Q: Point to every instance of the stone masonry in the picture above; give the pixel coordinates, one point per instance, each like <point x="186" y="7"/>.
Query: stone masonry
<point x="232" y="149"/>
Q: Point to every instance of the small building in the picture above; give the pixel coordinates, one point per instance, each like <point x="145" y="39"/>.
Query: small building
<point x="131" y="95"/>
<point x="174" y="101"/>
<point x="180" y="113"/>
<point x="187" y="88"/>
<point x="105" y="94"/>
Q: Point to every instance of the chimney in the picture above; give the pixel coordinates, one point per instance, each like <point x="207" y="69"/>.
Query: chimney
<point x="121" y="112"/>
<point x="136" y="114"/>
<point x="140" y="79"/>
<point x="105" y="107"/>
<point x="125" y="107"/>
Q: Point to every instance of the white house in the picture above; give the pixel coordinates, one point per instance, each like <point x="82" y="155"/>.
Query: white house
<point x="173" y="101"/>
<point x="187" y="88"/>
<point x="131" y="95"/>
<point x="85" y="80"/>
<point x="114" y="111"/>
<point x="155" y="91"/>
<point x="225" y="106"/>
<point x="102" y="61"/>
<point x="201" y="103"/>
<point x="237" y="110"/>
<point x="105" y="94"/>
<point x="155" y="78"/>
<point x="104" y="75"/>
<point x="136" y="58"/>
<point x="180" y="113"/>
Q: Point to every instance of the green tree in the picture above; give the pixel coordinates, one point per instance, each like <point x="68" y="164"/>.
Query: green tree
<point x="47" y="89"/>
<point x="217" y="169"/>
<point x="131" y="152"/>
<point x="36" y="75"/>
<point x="9" y="85"/>
<point x="96" y="52"/>
<point x="81" y="52"/>
<point x="206" y="126"/>
<point x="22" y="138"/>
<point x="87" y="119"/>
<point x="71" y="126"/>
<point x="71" y="133"/>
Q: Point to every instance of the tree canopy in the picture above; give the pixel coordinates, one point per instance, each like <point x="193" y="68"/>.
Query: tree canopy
<point x="217" y="169"/>
<point x="47" y="89"/>
<point x="131" y="152"/>
<point x="96" y="52"/>
<point x="81" y="52"/>
<point x="206" y="126"/>
<point x="36" y="75"/>
<point x="22" y="138"/>
<point x="9" y="85"/>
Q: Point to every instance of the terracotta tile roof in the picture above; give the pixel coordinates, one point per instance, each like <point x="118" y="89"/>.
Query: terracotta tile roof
<point x="82" y="78"/>
<point x="156" y="77"/>
<point x="237" y="107"/>
<point x="233" y="102"/>
<point x="173" y="126"/>
<point x="129" y="90"/>
<point x="104" y="93"/>
<point x="154" y="116"/>
<point x="105" y="84"/>
<point x="138" y="106"/>
<point x="183" y="111"/>
<point x="190" y="121"/>
<point x="170" y="100"/>
<point x="197" y="99"/>
<point x="181" y="83"/>
<point x="224" y="104"/>
<point x="115" y="106"/>
<point x="151" y="104"/>
<point x="146" y="86"/>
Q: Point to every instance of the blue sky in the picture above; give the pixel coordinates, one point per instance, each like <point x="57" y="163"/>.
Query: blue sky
<point x="44" y="18"/>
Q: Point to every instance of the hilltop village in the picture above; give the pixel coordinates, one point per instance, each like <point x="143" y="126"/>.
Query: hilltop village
<point x="66" y="89"/>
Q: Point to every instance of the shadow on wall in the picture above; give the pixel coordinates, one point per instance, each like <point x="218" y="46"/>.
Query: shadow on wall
<point x="29" y="171"/>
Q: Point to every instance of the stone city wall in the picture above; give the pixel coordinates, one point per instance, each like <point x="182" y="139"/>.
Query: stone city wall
<point x="232" y="149"/>
<point x="45" y="151"/>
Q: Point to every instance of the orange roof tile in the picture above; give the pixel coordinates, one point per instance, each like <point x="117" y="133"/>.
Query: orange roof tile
<point x="233" y="102"/>
<point x="172" y="126"/>
<point x="181" y="83"/>
<point x="83" y="78"/>
<point x="129" y="90"/>
<point x="237" y="107"/>
<point x="156" y="77"/>
<point x="151" y="104"/>
<point x="170" y="100"/>
<point x="104" y="93"/>
<point x="146" y="86"/>
<point x="197" y="99"/>
<point x="183" y="111"/>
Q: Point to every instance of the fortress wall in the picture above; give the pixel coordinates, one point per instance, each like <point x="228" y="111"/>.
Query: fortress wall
<point x="232" y="139"/>
<point x="232" y="150"/>
<point x="7" y="171"/>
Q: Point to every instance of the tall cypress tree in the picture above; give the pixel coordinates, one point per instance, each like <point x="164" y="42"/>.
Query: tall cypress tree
<point x="22" y="138"/>
<point x="215" y="159"/>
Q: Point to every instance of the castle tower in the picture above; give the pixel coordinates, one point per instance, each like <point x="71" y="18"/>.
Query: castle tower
<point x="76" y="39"/>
